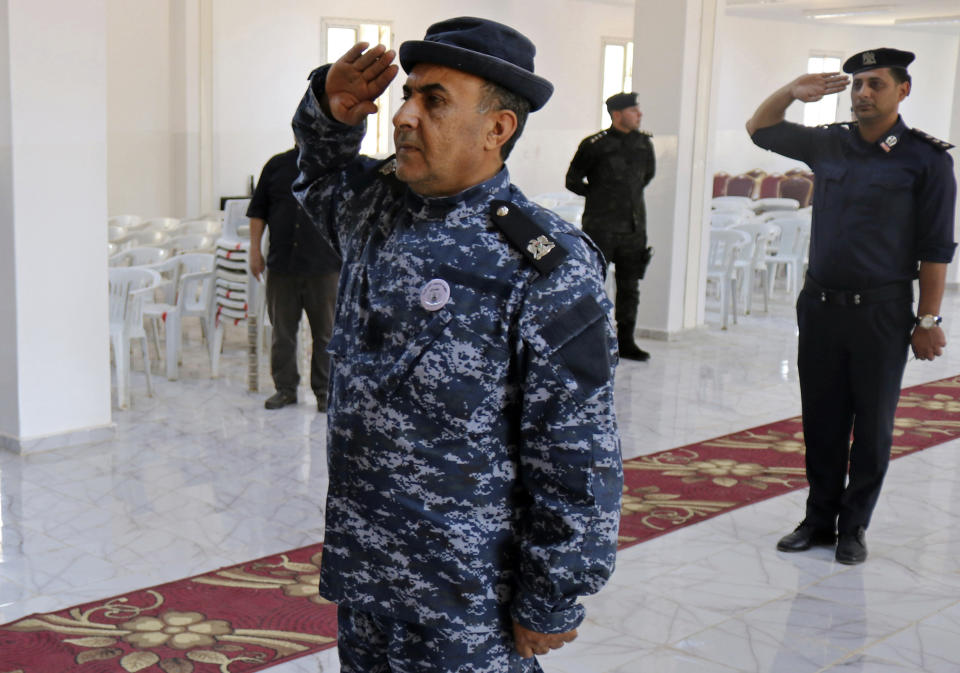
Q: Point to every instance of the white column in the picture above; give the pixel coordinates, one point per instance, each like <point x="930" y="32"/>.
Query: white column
<point x="54" y="353"/>
<point x="673" y="71"/>
<point x="953" y="271"/>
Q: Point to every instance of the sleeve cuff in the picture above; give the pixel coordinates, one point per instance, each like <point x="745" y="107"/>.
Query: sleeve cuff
<point x="535" y="615"/>
<point x="940" y="254"/>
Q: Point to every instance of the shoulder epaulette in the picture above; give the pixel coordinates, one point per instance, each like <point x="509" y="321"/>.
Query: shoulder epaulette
<point x="359" y="179"/>
<point x="646" y="133"/>
<point x="846" y="126"/>
<point x="942" y="145"/>
<point x="596" y="136"/>
<point x="527" y="236"/>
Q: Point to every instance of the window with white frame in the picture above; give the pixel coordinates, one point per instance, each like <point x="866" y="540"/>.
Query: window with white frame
<point x="617" y="72"/>
<point x="338" y="37"/>
<point x="823" y="111"/>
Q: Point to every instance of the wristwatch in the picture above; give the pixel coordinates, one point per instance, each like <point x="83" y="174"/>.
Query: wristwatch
<point x="928" y="321"/>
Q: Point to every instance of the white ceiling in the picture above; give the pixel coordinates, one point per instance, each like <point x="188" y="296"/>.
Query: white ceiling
<point x="900" y="13"/>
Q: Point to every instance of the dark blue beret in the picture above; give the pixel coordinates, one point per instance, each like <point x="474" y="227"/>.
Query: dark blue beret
<point x="884" y="57"/>
<point x="621" y="101"/>
<point x="483" y="48"/>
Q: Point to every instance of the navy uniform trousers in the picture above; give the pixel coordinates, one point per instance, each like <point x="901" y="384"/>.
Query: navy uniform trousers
<point x="370" y="643"/>
<point x="851" y="360"/>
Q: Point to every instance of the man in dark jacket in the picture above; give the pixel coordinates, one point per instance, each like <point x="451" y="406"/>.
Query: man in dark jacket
<point x="611" y="168"/>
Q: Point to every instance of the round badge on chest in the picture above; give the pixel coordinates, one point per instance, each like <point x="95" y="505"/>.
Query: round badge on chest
<point x="435" y="294"/>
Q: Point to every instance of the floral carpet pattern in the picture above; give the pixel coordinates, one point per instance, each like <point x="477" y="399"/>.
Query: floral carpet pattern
<point x="260" y="613"/>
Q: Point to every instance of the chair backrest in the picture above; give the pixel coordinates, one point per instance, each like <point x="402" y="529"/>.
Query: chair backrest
<point x="125" y="221"/>
<point x="210" y="227"/>
<point x="731" y="202"/>
<point x="763" y="235"/>
<point x="725" y="246"/>
<point x="236" y="219"/>
<point x="798" y="188"/>
<point x="138" y="257"/>
<point x="127" y="291"/>
<point x="742" y="185"/>
<point x="190" y="243"/>
<point x="790" y="229"/>
<point x="168" y="224"/>
<point x="720" y="183"/>
<point x="147" y="238"/>
<point x="726" y="219"/>
<point x="756" y="173"/>
<point x="769" y="186"/>
<point x="775" y="203"/>
<point x="115" y="233"/>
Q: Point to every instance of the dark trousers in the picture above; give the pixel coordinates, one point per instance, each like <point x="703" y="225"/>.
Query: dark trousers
<point x="289" y="295"/>
<point x="850" y="361"/>
<point x="626" y="251"/>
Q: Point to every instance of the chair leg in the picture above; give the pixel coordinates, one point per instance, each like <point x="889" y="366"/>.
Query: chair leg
<point x="155" y="325"/>
<point x="215" y="346"/>
<point x="121" y="357"/>
<point x="733" y="299"/>
<point x="173" y="345"/>
<point x="765" y="279"/>
<point x="146" y="366"/>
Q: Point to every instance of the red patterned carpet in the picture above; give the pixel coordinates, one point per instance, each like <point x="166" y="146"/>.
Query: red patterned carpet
<point x="248" y="617"/>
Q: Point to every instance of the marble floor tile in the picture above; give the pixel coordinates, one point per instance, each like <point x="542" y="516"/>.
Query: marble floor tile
<point x="201" y="476"/>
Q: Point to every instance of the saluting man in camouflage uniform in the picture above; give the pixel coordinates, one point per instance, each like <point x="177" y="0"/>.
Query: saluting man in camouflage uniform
<point x="475" y="469"/>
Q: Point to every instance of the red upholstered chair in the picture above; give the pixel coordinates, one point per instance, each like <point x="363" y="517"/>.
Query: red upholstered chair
<point x="795" y="171"/>
<point x="720" y="184"/>
<point x="797" y="187"/>
<point x="756" y="173"/>
<point x="742" y="185"/>
<point x="770" y="186"/>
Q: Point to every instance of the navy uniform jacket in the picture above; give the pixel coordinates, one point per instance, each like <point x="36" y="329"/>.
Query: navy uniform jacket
<point x="475" y="469"/>
<point x="617" y="166"/>
<point x="878" y="208"/>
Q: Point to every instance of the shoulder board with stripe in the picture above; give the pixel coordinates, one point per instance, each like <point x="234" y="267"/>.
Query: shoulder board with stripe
<point x="533" y="242"/>
<point x="646" y="133"/>
<point x="596" y="136"/>
<point x="359" y="179"/>
<point x="942" y="145"/>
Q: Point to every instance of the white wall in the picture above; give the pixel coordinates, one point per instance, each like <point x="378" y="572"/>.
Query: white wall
<point x="139" y="92"/>
<point x="759" y="56"/>
<point x="264" y="51"/>
<point x="9" y="371"/>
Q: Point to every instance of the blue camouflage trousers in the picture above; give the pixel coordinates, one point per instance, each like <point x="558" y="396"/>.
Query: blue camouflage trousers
<point x="370" y="643"/>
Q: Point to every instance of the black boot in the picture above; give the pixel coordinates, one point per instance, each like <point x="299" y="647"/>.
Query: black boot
<point x="628" y="349"/>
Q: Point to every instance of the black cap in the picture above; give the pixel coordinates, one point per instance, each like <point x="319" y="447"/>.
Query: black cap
<point x="884" y="57"/>
<point x="483" y="48"/>
<point x="621" y="101"/>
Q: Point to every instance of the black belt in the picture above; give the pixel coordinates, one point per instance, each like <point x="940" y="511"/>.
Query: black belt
<point x="876" y="295"/>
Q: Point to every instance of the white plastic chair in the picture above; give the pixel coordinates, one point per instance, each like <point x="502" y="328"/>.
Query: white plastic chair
<point x="764" y="236"/>
<point x="116" y="233"/>
<point x="147" y="238"/>
<point x="725" y="220"/>
<point x="164" y="224"/>
<point x="129" y="289"/>
<point x="725" y="247"/>
<point x="190" y="243"/>
<point x="138" y="257"/>
<point x="791" y="252"/>
<point x="190" y="294"/>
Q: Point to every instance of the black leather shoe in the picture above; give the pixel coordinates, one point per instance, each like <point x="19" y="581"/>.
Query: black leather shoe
<point x="322" y="404"/>
<point x="852" y="547"/>
<point x="806" y="535"/>
<point x="280" y="399"/>
<point x="631" y="351"/>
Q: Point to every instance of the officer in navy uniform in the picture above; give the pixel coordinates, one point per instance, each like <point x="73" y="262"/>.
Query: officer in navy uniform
<point x="883" y="211"/>
<point x="475" y="469"/>
<point x="611" y="169"/>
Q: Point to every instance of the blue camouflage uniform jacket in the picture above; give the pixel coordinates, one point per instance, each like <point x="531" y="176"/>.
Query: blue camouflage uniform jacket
<point x="475" y="468"/>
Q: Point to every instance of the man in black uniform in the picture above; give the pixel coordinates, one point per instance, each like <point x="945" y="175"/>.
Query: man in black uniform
<point x="883" y="202"/>
<point x="611" y="168"/>
<point x="303" y="273"/>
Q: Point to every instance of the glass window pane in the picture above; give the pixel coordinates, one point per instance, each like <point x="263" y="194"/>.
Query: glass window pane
<point x="339" y="40"/>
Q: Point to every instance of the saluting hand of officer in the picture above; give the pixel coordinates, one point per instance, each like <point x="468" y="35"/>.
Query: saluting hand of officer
<point x="356" y="80"/>
<point x="813" y="87"/>
<point x="530" y="642"/>
<point x="928" y="344"/>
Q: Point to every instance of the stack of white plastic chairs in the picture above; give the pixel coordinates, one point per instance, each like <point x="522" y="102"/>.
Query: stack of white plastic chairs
<point x="235" y="289"/>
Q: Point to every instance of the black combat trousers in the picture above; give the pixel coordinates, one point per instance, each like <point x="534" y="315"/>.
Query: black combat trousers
<point x="851" y="360"/>
<point x="627" y="251"/>
<point x="289" y="295"/>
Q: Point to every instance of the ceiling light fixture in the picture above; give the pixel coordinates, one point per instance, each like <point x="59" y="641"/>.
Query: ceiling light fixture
<point x="919" y="21"/>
